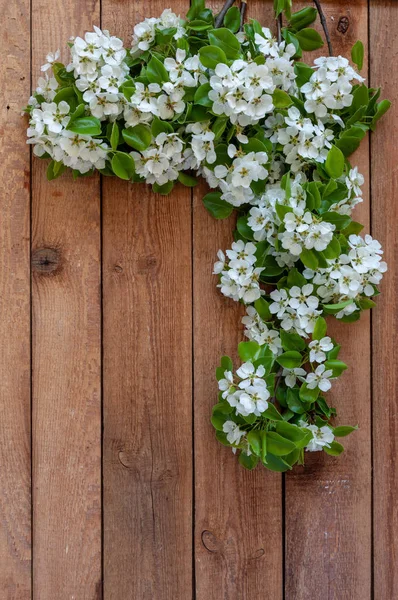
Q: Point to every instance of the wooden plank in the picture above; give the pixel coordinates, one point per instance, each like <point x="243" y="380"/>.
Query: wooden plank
<point x="328" y="503"/>
<point x="147" y="376"/>
<point x="66" y="354"/>
<point x="15" y="492"/>
<point x="383" y="51"/>
<point x="238" y="514"/>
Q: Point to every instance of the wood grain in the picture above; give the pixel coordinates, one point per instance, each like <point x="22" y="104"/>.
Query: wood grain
<point x="238" y="514"/>
<point x="15" y="511"/>
<point x="328" y="503"/>
<point x="147" y="304"/>
<point x="66" y="355"/>
<point x="383" y="72"/>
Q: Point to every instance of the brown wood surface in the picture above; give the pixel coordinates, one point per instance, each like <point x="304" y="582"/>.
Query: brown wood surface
<point x="147" y="295"/>
<point x="124" y="302"/>
<point x="66" y="369"/>
<point x="15" y="460"/>
<point x="328" y="527"/>
<point x="238" y="524"/>
<point x="384" y="184"/>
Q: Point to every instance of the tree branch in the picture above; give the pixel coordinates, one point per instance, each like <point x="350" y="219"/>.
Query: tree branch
<point x="220" y="17"/>
<point x="324" y="25"/>
<point x="243" y="8"/>
<point x="279" y="28"/>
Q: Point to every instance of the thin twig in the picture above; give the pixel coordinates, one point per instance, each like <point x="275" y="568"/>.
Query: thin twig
<point x="277" y="382"/>
<point x="279" y="28"/>
<point x="243" y="8"/>
<point x="324" y="25"/>
<point x="220" y="17"/>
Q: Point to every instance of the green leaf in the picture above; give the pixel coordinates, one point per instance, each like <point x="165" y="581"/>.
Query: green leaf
<point x="255" y="441"/>
<point x="303" y="73"/>
<point x="217" y="207"/>
<point x="248" y="351"/>
<point x="277" y="464"/>
<point x="219" y="126"/>
<point x="344" y="430"/>
<point x="199" y="25"/>
<point x="281" y="99"/>
<point x="282" y="210"/>
<point x="366" y="303"/>
<point x="159" y="126"/>
<point x="335" y="308"/>
<point x="309" y="39"/>
<point x="309" y="259"/>
<point x="278" y="445"/>
<point x="335" y="449"/>
<point x="232" y="19"/>
<point x="320" y="329"/>
<point x="85" y="126"/>
<point x="300" y="437"/>
<point x="123" y="165"/>
<point x="292" y="341"/>
<point x="227" y="363"/>
<point x="382" y="108"/>
<point x="226" y="41"/>
<point x="163" y="190"/>
<point x="244" y="228"/>
<point x="67" y="94"/>
<point x="262" y="307"/>
<point x="357" y="53"/>
<point x="55" y="170"/>
<point x="340" y="221"/>
<point x="211" y="56"/>
<point x="138" y="137"/>
<point x="334" y="164"/>
<point x="187" y="180"/>
<point x="303" y="18"/>
<point x="114" y="139"/>
<point x="295" y="278"/>
<point x="308" y="395"/>
<point x="337" y="366"/>
<point x="202" y="95"/>
<point x="294" y="402"/>
<point x="156" y="72"/>
<point x="271" y="413"/>
<point x="249" y="462"/>
<point x="196" y="7"/>
<point x="290" y="359"/>
<point x="333" y="250"/>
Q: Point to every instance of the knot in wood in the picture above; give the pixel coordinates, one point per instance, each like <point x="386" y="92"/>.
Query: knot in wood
<point x="343" y="24"/>
<point x="210" y="541"/>
<point x="46" y="260"/>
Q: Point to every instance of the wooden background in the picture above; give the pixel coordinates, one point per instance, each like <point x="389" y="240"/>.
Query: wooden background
<point x="111" y="482"/>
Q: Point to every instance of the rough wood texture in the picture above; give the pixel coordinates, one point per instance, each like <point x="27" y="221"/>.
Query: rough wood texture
<point x="383" y="72"/>
<point x="328" y="504"/>
<point x="15" y="498"/>
<point x="66" y="356"/>
<point x="174" y="527"/>
<point x="238" y="524"/>
<point x="147" y="277"/>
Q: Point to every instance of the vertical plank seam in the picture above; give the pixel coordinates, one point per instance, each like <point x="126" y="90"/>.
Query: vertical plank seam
<point x="372" y="566"/>
<point x="193" y="402"/>
<point x="31" y="304"/>
<point x="193" y="398"/>
<point x="102" y="420"/>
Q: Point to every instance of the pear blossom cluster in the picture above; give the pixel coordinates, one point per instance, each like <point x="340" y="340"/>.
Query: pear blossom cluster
<point x="330" y="87"/>
<point x="352" y="275"/>
<point x="145" y="32"/>
<point x="271" y="136"/>
<point x="239" y="277"/>
<point x="247" y="392"/>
